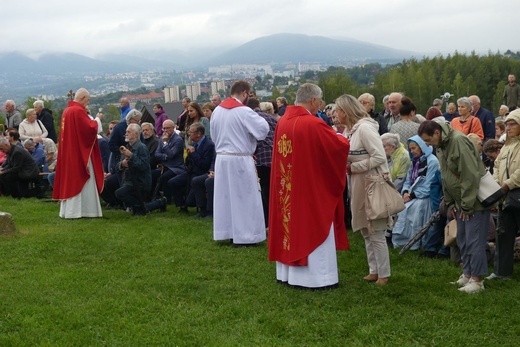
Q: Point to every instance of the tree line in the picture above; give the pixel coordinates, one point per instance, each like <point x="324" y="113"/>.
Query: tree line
<point x="426" y="79"/>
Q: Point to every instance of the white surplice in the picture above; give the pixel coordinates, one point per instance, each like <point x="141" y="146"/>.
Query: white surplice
<point x="237" y="210"/>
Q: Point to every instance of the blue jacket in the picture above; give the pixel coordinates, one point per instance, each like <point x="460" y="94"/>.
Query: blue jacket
<point x="124" y="111"/>
<point x="199" y="162"/>
<point x="429" y="165"/>
<point x="488" y="122"/>
<point x="39" y="157"/>
<point x="171" y="154"/>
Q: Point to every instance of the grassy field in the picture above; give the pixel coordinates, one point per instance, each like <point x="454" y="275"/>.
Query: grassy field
<point x="162" y="280"/>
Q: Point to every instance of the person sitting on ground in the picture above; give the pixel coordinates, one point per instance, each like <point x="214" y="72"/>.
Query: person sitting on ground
<point x="137" y="175"/>
<point x="416" y="192"/>
<point x="31" y="127"/>
<point x="18" y="178"/>
<point x="398" y="159"/>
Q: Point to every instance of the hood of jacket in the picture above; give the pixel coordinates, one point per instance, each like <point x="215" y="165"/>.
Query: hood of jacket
<point x="426" y="150"/>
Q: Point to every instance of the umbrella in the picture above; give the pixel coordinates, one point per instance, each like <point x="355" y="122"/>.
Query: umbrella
<point x="434" y="218"/>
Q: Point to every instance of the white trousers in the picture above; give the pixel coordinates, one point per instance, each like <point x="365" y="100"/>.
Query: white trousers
<point x="377" y="252"/>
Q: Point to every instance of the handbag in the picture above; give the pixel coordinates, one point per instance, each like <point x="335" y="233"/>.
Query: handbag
<point x="450" y="233"/>
<point x="489" y="191"/>
<point x="382" y="200"/>
<point x="513" y="196"/>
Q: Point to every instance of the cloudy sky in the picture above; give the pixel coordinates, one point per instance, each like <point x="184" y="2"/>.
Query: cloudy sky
<point x="100" y="26"/>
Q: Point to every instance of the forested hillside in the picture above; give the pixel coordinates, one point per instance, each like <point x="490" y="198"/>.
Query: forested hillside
<point x="425" y="80"/>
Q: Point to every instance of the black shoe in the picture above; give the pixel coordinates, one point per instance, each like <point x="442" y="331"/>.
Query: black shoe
<point x="183" y="210"/>
<point x="200" y="215"/>
<point x="164" y="204"/>
<point x="442" y="256"/>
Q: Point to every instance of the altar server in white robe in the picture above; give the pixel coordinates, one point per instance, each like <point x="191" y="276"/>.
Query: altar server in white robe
<point x="235" y="128"/>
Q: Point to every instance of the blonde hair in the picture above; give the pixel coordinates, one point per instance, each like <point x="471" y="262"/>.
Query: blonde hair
<point x="353" y="109"/>
<point x="267" y="107"/>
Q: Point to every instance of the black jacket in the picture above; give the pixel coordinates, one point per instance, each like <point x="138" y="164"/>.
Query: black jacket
<point x="48" y="122"/>
<point x="22" y="164"/>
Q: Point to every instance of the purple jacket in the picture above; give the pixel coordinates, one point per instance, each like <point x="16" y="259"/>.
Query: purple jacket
<point x="160" y="117"/>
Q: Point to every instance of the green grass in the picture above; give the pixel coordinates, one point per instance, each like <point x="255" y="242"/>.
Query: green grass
<point x="162" y="280"/>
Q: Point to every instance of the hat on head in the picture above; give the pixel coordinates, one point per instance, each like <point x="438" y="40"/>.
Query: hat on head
<point x="513" y="116"/>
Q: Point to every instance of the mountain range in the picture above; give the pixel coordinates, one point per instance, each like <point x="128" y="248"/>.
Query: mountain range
<point x="279" y="48"/>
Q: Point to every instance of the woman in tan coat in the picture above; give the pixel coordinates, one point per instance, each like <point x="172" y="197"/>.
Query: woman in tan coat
<point x="507" y="174"/>
<point x="366" y="156"/>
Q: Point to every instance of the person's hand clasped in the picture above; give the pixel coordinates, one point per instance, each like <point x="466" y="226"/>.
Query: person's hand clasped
<point x="452" y="213"/>
<point x="464" y="216"/>
<point x="406" y="197"/>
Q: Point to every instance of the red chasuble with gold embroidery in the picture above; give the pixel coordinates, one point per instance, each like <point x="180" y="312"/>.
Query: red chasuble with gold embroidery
<point x="308" y="175"/>
<point x="78" y="142"/>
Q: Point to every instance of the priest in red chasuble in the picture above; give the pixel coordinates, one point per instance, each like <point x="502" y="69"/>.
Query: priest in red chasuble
<point x="79" y="170"/>
<point x="306" y="224"/>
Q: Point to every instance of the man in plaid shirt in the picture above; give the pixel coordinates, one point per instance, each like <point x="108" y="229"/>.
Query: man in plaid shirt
<point x="263" y="155"/>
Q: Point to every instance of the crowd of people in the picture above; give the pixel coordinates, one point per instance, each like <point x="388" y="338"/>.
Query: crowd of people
<point x="245" y="164"/>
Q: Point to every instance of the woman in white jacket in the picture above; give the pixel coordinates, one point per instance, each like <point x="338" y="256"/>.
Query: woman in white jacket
<point x="367" y="156"/>
<point x="32" y="128"/>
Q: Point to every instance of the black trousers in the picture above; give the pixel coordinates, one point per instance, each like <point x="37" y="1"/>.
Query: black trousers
<point x="509" y="224"/>
<point x="109" y="191"/>
<point x="11" y="184"/>
<point x="132" y="196"/>
<point x="264" y="174"/>
<point x="201" y="193"/>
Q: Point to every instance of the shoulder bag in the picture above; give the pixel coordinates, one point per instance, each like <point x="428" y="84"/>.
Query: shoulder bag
<point x="489" y="191"/>
<point x="382" y="200"/>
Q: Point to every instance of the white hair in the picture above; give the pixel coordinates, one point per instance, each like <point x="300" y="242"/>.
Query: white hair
<point x="38" y="103"/>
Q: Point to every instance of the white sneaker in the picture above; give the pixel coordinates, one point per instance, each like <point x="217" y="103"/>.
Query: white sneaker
<point x="493" y="276"/>
<point x="473" y="287"/>
<point x="462" y="281"/>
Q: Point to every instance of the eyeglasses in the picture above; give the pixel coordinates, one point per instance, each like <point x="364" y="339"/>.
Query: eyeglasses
<point x="166" y="128"/>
